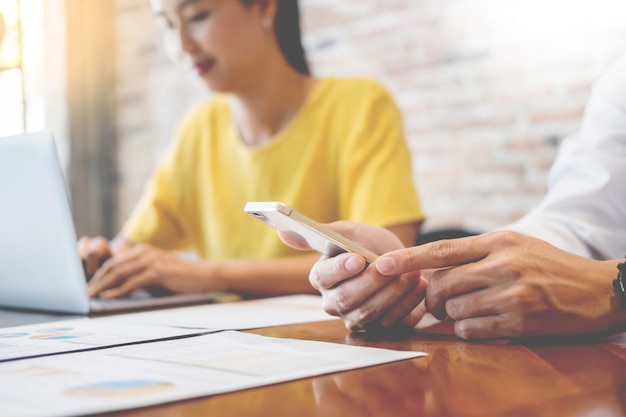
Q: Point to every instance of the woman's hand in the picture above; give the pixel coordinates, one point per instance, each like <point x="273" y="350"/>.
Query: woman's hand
<point x="142" y="266"/>
<point x="93" y="251"/>
<point x="362" y="296"/>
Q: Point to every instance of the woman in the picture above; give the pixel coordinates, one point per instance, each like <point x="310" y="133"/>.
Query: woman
<point x="332" y="149"/>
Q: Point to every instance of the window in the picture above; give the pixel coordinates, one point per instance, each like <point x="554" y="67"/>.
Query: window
<point x="21" y="56"/>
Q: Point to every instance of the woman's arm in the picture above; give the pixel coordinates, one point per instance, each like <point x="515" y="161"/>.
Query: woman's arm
<point x="133" y="266"/>
<point x="406" y="232"/>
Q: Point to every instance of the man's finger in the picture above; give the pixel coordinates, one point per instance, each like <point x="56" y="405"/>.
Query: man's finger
<point x="487" y="327"/>
<point x="439" y="254"/>
<point x="406" y="305"/>
<point x="484" y="302"/>
<point x="447" y="283"/>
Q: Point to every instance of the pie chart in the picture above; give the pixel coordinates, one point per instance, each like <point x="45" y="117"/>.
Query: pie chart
<point x="123" y="388"/>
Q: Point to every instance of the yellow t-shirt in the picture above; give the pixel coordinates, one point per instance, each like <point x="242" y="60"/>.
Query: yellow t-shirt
<point x="343" y="157"/>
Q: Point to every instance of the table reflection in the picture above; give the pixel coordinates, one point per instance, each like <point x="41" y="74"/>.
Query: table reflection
<point x="393" y="390"/>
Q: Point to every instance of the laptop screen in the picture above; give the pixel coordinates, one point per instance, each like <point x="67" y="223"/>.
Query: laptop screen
<point x="39" y="268"/>
<point x="39" y="264"/>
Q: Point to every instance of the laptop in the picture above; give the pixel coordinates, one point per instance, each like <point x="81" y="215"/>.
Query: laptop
<point x="40" y="268"/>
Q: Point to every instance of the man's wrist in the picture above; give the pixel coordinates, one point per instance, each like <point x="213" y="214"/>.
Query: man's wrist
<point x="619" y="284"/>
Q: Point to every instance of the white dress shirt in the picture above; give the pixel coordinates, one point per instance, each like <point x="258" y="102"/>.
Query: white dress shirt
<point x="584" y="211"/>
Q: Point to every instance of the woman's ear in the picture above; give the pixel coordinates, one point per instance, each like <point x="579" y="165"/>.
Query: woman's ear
<point x="268" y="10"/>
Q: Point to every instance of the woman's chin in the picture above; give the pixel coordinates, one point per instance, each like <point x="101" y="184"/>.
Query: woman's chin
<point x="215" y="86"/>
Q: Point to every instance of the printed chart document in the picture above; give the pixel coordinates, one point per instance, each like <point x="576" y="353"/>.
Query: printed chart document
<point x="78" y="334"/>
<point x="242" y="315"/>
<point x="90" y="333"/>
<point x="141" y="375"/>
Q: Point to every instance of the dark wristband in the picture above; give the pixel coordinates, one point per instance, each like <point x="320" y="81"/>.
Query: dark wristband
<point x="620" y="285"/>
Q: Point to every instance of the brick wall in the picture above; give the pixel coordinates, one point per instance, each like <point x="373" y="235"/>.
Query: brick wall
<point x="151" y="96"/>
<point x="488" y="89"/>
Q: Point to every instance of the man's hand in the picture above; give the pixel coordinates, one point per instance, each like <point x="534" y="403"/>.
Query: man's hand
<point x="504" y="284"/>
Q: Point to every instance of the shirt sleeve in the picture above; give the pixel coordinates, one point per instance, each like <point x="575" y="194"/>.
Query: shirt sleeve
<point x="584" y="211"/>
<point x="156" y="219"/>
<point x="377" y="183"/>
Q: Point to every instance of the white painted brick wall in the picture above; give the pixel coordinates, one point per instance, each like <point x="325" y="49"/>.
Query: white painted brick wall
<point x="488" y="88"/>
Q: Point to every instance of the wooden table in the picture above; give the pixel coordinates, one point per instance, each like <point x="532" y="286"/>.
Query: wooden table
<point x="581" y="377"/>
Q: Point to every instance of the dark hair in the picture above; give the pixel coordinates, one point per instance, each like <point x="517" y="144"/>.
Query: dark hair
<point x="287" y="29"/>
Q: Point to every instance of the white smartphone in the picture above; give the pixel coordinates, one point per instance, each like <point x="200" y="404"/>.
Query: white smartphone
<point x="314" y="234"/>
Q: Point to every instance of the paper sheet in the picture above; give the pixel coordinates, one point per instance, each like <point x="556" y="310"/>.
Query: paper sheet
<point x="78" y="334"/>
<point x="89" y="333"/>
<point x="141" y="375"/>
<point x="242" y="315"/>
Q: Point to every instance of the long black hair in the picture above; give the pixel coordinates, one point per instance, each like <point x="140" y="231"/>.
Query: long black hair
<point x="287" y="29"/>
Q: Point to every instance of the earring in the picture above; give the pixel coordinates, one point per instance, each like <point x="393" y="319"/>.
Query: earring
<point x="267" y="23"/>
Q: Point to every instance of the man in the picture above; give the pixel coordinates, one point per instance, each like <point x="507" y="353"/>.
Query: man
<point x="584" y="211"/>
<point x="505" y="284"/>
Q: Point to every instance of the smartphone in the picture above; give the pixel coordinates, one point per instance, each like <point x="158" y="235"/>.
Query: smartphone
<point x="315" y="235"/>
